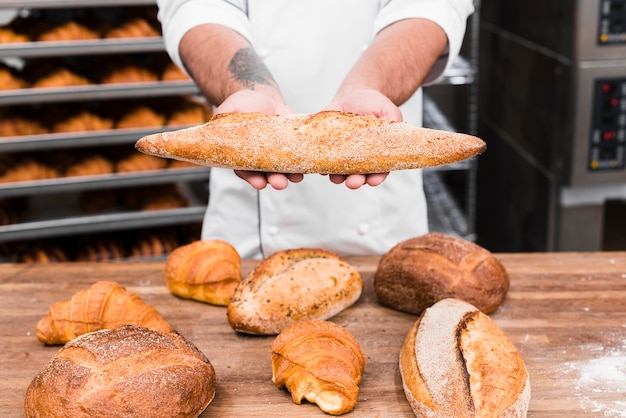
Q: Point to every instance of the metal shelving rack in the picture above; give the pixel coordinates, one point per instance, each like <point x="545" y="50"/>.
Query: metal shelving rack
<point x="67" y="224"/>
<point x="445" y="214"/>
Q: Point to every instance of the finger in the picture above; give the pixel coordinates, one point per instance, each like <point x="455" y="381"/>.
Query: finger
<point x="295" y="177"/>
<point x="254" y="179"/>
<point x="376" y="179"/>
<point x="277" y="180"/>
<point x="336" y="178"/>
<point x="354" y="181"/>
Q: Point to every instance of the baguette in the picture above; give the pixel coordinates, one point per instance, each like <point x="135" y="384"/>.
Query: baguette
<point x="456" y="362"/>
<point x="327" y="142"/>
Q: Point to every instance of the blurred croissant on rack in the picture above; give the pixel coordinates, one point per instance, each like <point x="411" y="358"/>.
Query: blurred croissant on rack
<point x="104" y="305"/>
<point x="319" y="361"/>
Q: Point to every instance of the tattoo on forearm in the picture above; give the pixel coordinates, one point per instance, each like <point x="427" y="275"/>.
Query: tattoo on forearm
<point x="247" y="68"/>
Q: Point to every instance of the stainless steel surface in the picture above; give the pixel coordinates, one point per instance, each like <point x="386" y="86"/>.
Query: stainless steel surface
<point x="587" y="73"/>
<point x="586" y="33"/>
<point x="53" y="4"/>
<point x="100" y="223"/>
<point x="114" y="180"/>
<point x="86" y="47"/>
<point x="77" y="139"/>
<point x="97" y="92"/>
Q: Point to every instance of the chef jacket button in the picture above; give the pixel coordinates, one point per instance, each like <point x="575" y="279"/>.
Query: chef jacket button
<point x="273" y="230"/>
<point x="363" y="229"/>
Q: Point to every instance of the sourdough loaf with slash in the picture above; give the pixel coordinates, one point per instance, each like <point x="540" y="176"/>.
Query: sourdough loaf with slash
<point x="456" y="362"/>
<point x="327" y="142"/>
<point x="293" y="285"/>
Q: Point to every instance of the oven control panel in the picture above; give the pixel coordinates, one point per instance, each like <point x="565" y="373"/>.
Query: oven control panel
<point x="608" y="129"/>
<point x="612" y="22"/>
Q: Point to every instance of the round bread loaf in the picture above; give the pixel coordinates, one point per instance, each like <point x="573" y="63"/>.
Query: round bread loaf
<point x="457" y="362"/>
<point x="420" y="271"/>
<point x="124" y="372"/>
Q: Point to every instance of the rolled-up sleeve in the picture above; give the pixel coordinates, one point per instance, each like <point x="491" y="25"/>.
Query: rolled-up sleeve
<point x="179" y="16"/>
<point x="450" y="15"/>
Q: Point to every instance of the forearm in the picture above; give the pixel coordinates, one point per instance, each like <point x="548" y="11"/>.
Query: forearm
<point x="398" y="60"/>
<point x="229" y="67"/>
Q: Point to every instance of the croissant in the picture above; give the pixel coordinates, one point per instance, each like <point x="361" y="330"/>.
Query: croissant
<point x="319" y="361"/>
<point x="204" y="270"/>
<point x="105" y="305"/>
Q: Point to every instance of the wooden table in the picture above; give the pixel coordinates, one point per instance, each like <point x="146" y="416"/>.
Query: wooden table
<point x="566" y="313"/>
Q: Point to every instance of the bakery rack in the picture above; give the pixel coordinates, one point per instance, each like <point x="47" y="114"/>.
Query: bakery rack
<point x="445" y="214"/>
<point x="55" y="220"/>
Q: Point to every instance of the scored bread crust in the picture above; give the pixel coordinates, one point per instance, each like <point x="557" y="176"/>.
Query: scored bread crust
<point x="456" y="361"/>
<point x="129" y="372"/>
<point x="293" y="285"/>
<point x="327" y="142"/>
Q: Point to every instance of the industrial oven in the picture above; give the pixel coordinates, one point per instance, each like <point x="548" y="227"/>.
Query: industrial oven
<point x="552" y="109"/>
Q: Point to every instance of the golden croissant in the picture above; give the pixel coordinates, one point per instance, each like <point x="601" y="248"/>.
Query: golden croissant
<point x="104" y="305"/>
<point x="204" y="270"/>
<point x="321" y="362"/>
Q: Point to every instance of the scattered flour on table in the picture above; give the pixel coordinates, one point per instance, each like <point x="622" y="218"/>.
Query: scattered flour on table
<point x="605" y="374"/>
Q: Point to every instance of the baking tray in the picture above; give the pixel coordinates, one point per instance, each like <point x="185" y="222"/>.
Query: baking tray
<point x="81" y="47"/>
<point x="97" y="92"/>
<point x="81" y="139"/>
<point x="108" y="181"/>
<point x="53" y="4"/>
<point x="100" y="223"/>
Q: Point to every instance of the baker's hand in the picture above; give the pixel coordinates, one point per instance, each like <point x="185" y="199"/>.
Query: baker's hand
<point x="370" y="103"/>
<point x="258" y="101"/>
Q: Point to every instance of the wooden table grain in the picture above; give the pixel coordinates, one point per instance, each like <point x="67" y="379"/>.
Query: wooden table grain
<point x="565" y="312"/>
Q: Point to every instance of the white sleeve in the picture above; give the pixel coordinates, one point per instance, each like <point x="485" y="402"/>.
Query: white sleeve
<point x="179" y="16"/>
<point x="450" y="15"/>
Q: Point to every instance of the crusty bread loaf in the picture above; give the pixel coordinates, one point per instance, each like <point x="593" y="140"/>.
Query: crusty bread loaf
<point x="124" y="372"/>
<point x="292" y="285"/>
<point x="319" y="361"/>
<point x="457" y="362"/>
<point x="204" y="270"/>
<point x="423" y="270"/>
<point x="327" y="142"/>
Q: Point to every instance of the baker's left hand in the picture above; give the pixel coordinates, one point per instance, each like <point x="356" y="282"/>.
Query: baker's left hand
<point x="364" y="102"/>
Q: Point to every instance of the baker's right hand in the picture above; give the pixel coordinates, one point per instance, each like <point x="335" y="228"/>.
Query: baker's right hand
<point x="257" y="101"/>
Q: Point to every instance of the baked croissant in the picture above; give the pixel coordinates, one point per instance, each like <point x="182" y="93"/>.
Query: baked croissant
<point x="105" y="305"/>
<point x="204" y="270"/>
<point x="319" y="361"/>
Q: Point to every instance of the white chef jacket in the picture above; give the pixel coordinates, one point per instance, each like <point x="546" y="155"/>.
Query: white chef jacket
<point x="309" y="47"/>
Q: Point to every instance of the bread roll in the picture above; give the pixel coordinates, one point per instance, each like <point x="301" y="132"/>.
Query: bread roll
<point x="104" y="305"/>
<point x="290" y="286"/>
<point x="204" y="270"/>
<point x="124" y="372"/>
<point x="328" y="142"/>
<point x="456" y="362"/>
<point x="321" y="362"/>
<point x="420" y="271"/>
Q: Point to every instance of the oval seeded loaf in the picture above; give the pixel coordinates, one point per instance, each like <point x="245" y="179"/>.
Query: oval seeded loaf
<point x="292" y="285"/>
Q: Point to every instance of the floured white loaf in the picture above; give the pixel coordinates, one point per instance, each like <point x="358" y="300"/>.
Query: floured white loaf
<point x="327" y="142"/>
<point x="456" y="362"/>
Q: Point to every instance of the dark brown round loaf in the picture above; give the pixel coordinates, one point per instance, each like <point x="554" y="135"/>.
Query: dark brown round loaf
<point x="421" y="271"/>
<point x="127" y="371"/>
